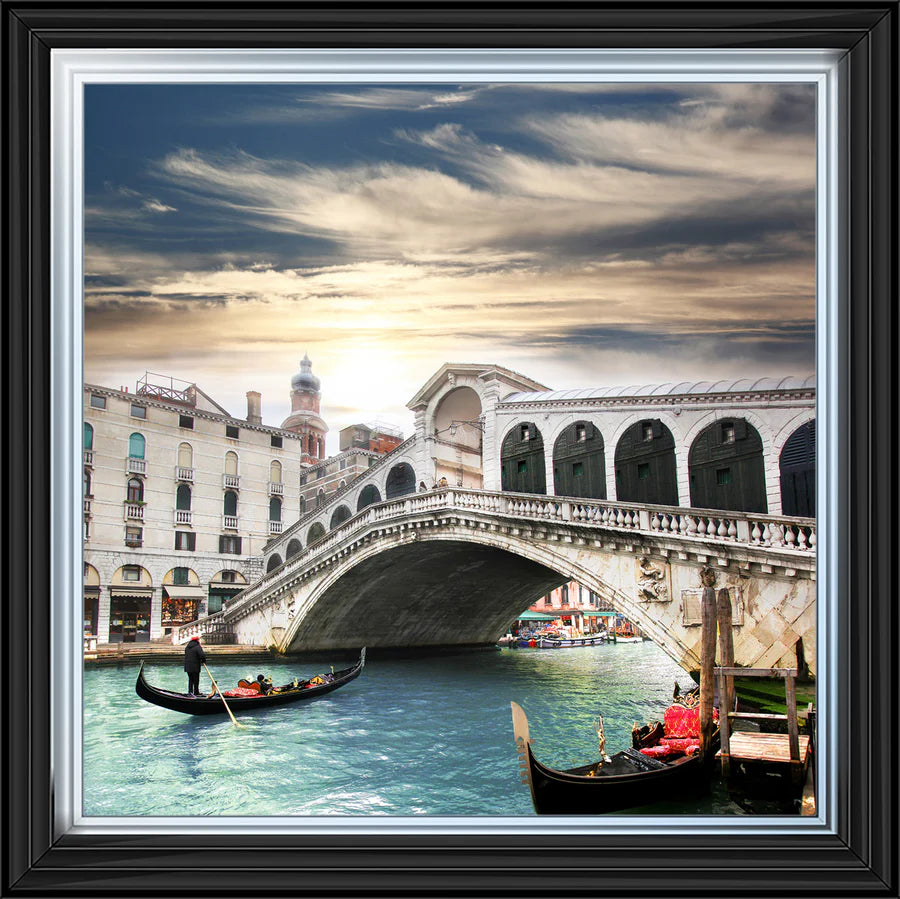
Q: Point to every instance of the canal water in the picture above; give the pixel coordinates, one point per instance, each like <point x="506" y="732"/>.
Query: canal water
<point x="413" y="735"/>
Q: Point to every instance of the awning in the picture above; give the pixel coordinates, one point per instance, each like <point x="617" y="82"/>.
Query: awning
<point x="134" y="592"/>
<point x="536" y="616"/>
<point x="184" y="592"/>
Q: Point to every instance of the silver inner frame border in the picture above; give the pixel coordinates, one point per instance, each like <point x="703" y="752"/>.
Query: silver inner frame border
<point x="71" y="70"/>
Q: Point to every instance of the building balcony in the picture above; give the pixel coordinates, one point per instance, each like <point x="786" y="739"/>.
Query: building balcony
<point x="134" y="542"/>
<point x="184" y="474"/>
<point x="276" y="489"/>
<point x="276" y="527"/>
<point x="136" y="466"/>
<point x="230" y="522"/>
<point x="89" y="457"/>
<point x="232" y="481"/>
<point x="134" y="511"/>
<point x="183" y="516"/>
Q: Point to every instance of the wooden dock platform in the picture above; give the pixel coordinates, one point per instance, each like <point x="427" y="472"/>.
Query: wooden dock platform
<point x="747" y="746"/>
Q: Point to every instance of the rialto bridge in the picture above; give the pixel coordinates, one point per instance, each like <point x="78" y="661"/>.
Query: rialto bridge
<point x="507" y="490"/>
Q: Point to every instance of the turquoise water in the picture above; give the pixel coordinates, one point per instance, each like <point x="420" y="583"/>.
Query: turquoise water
<point x="411" y="736"/>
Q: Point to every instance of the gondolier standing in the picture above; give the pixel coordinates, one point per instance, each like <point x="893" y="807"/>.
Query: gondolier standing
<point x="194" y="657"/>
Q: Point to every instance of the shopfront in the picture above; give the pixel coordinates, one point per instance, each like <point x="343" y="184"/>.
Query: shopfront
<point x="181" y="605"/>
<point x="91" y="611"/>
<point x="129" y="616"/>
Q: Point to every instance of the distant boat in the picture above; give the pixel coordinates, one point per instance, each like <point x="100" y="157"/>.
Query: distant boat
<point x="568" y="642"/>
<point x="247" y="699"/>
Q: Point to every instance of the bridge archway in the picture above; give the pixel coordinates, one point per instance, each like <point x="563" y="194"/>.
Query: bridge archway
<point x="274" y="562"/>
<point x="316" y="532"/>
<point x="458" y="438"/>
<point x="294" y="546"/>
<point x="797" y="466"/>
<point x="727" y="469"/>
<point x="367" y="496"/>
<point x="339" y="516"/>
<point x="401" y="480"/>
<point x="645" y="464"/>
<point x="522" y="466"/>
<point x="579" y="462"/>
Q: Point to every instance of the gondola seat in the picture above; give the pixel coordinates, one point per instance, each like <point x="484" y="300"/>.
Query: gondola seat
<point x="681" y="732"/>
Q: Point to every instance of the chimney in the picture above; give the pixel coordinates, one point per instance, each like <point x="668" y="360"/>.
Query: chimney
<point x="254" y="404"/>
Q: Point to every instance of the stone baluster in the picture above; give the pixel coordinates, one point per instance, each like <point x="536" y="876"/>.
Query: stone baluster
<point x="701" y="526"/>
<point x="801" y="538"/>
<point x="789" y="537"/>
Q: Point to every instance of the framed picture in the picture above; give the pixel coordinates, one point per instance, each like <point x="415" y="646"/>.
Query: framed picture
<point x="843" y="57"/>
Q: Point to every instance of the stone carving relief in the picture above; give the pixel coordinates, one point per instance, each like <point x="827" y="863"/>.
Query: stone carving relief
<point x="652" y="580"/>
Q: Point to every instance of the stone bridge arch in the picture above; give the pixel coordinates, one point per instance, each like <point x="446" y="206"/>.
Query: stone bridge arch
<point x="494" y="579"/>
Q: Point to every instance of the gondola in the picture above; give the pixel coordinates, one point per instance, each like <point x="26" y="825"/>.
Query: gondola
<point x="213" y="705"/>
<point x="569" y="642"/>
<point x="628" y="779"/>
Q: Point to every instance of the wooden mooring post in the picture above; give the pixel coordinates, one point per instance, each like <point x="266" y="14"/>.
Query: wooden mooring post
<point x="726" y="659"/>
<point x="707" y="660"/>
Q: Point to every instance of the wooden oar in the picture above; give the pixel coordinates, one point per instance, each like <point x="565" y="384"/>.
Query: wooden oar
<point x="216" y="688"/>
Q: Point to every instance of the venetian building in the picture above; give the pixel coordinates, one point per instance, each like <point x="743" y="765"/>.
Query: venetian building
<point x="304" y="419"/>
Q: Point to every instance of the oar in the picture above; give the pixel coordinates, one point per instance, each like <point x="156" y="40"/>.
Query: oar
<point x="216" y="688"/>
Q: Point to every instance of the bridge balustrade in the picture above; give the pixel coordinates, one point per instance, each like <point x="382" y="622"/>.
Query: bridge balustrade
<point x="747" y="529"/>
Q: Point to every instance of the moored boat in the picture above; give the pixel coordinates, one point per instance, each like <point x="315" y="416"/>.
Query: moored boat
<point x="245" y="699"/>
<point x="663" y="762"/>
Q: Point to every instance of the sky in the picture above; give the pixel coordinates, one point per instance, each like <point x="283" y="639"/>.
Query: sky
<point x="585" y="235"/>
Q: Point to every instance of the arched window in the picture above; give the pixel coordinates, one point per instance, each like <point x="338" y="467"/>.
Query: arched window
<point x="302" y="505"/>
<point x="320" y="499"/>
<point x="797" y="466"/>
<point x="183" y="497"/>
<point x="401" y="480"/>
<point x="341" y="514"/>
<point x="135" y="490"/>
<point x="311" y="445"/>
<point x="231" y="463"/>
<point x="229" y="505"/>
<point x="275" y="474"/>
<point x="522" y="460"/>
<point x="726" y="467"/>
<point x="645" y="464"/>
<point x="88" y="436"/>
<point x="274" y="509"/>
<point x="368" y="495"/>
<point x="273" y="563"/>
<point x="579" y="462"/>
<point x="136" y="445"/>
<point x="316" y="532"/>
<point x="185" y="456"/>
<point x="293" y="548"/>
<point x="321" y="446"/>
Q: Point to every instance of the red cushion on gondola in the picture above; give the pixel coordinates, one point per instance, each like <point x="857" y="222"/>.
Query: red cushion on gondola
<point x="680" y="744"/>
<point x="240" y="691"/>
<point x="680" y="722"/>
<point x="657" y="752"/>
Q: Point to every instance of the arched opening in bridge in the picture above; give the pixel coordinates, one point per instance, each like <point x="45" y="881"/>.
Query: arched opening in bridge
<point x="458" y="439"/>
<point x="401" y="480"/>
<point x="645" y="464"/>
<point x="727" y="469"/>
<point x="579" y="462"/>
<point x="798" y="472"/>
<point x="293" y="548"/>
<point x="368" y="495"/>
<point x="316" y="532"/>
<point x="339" y="516"/>
<point x="522" y="468"/>
<point x="273" y="563"/>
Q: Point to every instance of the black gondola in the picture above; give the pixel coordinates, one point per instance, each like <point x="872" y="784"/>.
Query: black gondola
<point x="213" y="705"/>
<point x="626" y="780"/>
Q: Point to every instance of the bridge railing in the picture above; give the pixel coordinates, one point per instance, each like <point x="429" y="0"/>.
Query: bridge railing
<point x="749" y="529"/>
<point x="202" y="627"/>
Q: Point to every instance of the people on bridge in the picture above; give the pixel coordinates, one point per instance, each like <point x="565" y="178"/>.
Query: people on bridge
<point x="194" y="657"/>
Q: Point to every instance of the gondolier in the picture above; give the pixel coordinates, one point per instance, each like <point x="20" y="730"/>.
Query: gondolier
<point x="194" y="657"/>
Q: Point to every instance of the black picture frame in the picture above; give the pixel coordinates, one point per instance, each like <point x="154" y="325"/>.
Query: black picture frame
<point x="859" y="858"/>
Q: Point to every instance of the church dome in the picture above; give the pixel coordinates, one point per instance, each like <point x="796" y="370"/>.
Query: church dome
<point x="305" y="379"/>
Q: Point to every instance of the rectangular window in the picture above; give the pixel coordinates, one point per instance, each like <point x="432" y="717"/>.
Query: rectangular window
<point x="578" y="469"/>
<point x="138" y="411"/>
<point x="643" y="471"/>
<point x="229" y="577"/>
<point x="523" y="467"/>
<point x="134" y="537"/>
<point x="302" y="479"/>
<point x="524" y="433"/>
<point x="131" y="573"/>
<point x="343" y="464"/>
<point x="185" y="421"/>
<point x="228" y="543"/>
<point x="98" y="402"/>
<point x="580" y="432"/>
<point x="647" y="431"/>
<point x="723" y="476"/>
<point x="180" y="577"/>
<point x="232" y="431"/>
<point x="185" y="540"/>
<point x="277" y="441"/>
<point x="320" y="473"/>
<point x="728" y="432"/>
